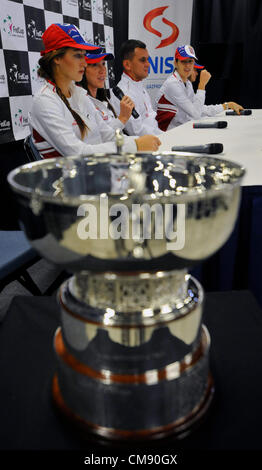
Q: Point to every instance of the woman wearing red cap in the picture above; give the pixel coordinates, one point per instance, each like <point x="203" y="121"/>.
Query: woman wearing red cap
<point x="62" y="119"/>
<point x="94" y="82"/>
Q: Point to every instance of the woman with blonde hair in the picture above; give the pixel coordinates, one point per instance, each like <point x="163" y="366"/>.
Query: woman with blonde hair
<point x="62" y="120"/>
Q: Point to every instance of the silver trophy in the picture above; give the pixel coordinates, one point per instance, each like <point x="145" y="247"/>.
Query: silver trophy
<point x="132" y="353"/>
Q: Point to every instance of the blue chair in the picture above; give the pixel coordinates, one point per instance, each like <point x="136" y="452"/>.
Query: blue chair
<point x="30" y="149"/>
<point x="16" y="256"/>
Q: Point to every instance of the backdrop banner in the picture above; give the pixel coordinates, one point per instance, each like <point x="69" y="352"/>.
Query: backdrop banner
<point x="22" y="23"/>
<point x="162" y="25"/>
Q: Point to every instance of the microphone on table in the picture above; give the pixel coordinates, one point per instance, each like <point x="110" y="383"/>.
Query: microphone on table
<point x="207" y="148"/>
<point x="119" y="94"/>
<point x="204" y="125"/>
<point x="243" y="112"/>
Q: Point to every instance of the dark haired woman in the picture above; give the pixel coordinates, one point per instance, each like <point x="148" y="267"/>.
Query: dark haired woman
<point x="94" y="82"/>
<point x="62" y="119"/>
<point x="176" y="102"/>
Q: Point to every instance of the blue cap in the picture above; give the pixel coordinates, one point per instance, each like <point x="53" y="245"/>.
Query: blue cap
<point x="185" y="52"/>
<point x="198" y="66"/>
<point x="94" y="58"/>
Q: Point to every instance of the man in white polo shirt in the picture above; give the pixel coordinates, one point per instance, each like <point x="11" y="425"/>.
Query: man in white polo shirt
<point x="134" y="56"/>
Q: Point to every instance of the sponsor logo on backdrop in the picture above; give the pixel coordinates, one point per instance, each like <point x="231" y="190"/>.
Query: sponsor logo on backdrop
<point x="150" y="16"/>
<point x="32" y="31"/>
<point x="99" y="35"/>
<point x="98" y="41"/>
<point x="11" y="28"/>
<point x="98" y="8"/>
<point x="20" y="120"/>
<point x="2" y="80"/>
<point x="86" y="5"/>
<point x="18" y="72"/>
<point x="110" y="44"/>
<point x="85" y="9"/>
<point x="34" y="74"/>
<point x="108" y="10"/>
<point x="161" y="64"/>
<point x="87" y="38"/>
<point x="35" y="26"/>
<point x="6" y="134"/>
<point x="5" y="125"/>
<point x="17" y="76"/>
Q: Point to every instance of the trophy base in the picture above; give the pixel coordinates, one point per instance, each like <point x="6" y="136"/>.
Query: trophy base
<point x="127" y="407"/>
<point x="177" y="430"/>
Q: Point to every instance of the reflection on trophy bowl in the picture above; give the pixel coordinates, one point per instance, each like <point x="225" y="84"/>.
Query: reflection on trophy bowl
<point x="129" y="212"/>
<point x="131" y="352"/>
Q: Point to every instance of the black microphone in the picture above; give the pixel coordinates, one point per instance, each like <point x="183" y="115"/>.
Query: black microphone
<point x="119" y="94"/>
<point x="243" y="112"/>
<point x="207" y="148"/>
<point x="204" y="125"/>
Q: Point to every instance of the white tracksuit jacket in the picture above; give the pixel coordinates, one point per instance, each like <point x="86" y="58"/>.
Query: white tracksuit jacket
<point x="176" y="103"/>
<point x="54" y="129"/>
<point x="146" y="123"/>
<point x="106" y="114"/>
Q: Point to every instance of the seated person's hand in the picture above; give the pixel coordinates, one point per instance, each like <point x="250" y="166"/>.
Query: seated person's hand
<point x="236" y="107"/>
<point x="148" y="142"/>
<point x="204" y="78"/>
<point x="126" y="106"/>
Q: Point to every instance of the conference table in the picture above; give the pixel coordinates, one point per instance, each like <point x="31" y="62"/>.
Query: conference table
<point x="241" y="139"/>
<point x="237" y="265"/>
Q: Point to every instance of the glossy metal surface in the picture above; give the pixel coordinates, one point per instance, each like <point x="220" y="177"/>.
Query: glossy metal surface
<point x="50" y="192"/>
<point x="152" y="402"/>
<point x="129" y="338"/>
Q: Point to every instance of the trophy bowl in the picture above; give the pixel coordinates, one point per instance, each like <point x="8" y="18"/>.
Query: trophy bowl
<point x="132" y="353"/>
<point x="121" y="212"/>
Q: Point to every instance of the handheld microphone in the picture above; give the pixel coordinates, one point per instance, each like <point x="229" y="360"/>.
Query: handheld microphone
<point x="207" y="148"/>
<point x="204" y="125"/>
<point x="243" y="112"/>
<point x="119" y="94"/>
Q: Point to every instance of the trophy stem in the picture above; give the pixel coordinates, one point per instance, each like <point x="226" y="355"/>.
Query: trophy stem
<point x="137" y="373"/>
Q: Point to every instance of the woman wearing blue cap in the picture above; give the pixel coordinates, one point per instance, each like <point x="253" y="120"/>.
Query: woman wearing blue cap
<point x="176" y="101"/>
<point x="94" y="82"/>
<point x="62" y="120"/>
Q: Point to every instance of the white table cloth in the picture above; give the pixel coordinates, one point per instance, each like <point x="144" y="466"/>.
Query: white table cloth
<point x="242" y="141"/>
